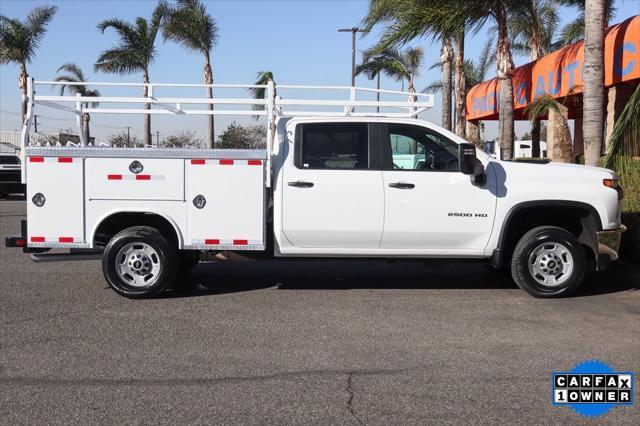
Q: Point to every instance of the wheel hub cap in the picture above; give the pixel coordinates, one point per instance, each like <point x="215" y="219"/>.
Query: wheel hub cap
<point x="138" y="264"/>
<point x="551" y="264"/>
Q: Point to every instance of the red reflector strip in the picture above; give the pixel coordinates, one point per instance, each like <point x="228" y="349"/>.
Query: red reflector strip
<point x="36" y="159"/>
<point x="240" y="242"/>
<point x="21" y="242"/>
<point x="65" y="239"/>
<point x="226" y="162"/>
<point x="114" y="177"/>
<point x="212" y="242"/>
<point x="37" y="239"/>
<point x="254" y="162"/>
<point x="198" y="161"/>
<point x="65" y="160"/>
<point x="143" y="177"/>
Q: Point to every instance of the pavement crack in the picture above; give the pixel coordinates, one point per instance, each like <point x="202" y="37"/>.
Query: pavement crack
<point x="351" y="394"/>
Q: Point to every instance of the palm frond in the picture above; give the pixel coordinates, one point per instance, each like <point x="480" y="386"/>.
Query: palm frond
<point x="435" y="87"/>
<point x="572" y="32"/>
<point x="20" y="39"/>
<point x="190" y="25"/>
<point x="119" y="60"/>
<point x="624" y="143"/>
<point x="540" y="107"/>
<point x="263" y="78"/>
<point x="73" y="70"/>
<point x="125" y="30"/>
<point x="37" y="22"/>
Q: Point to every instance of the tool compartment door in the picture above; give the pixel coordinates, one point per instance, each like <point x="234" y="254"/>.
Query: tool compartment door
<point x="60" y="220"/>
<point x="135" y="179"/>
<point x="226" y="203"/>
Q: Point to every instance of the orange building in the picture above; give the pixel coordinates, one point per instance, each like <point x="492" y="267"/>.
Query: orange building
<point x="559" y="74"/>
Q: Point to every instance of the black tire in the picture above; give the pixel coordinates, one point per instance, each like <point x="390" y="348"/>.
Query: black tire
<point x="163" y="262"/>
<point x="536" y="259"/>
<point x="187" y="260"/>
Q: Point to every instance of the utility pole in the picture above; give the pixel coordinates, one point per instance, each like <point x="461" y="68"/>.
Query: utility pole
<point x="157" y="138"/>
<point x="353" y="32"/>
<point x="35" y="123"/>
<point x="128" y="136"/>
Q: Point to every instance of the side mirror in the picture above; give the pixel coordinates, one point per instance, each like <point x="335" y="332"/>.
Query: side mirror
<point x="470" y="165"/>
<point x="467" y="158"/>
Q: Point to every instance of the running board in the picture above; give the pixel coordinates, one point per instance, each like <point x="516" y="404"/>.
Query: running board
<point x="65" y="257"/>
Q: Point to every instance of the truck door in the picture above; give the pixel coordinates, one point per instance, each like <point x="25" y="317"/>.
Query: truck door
<point x="429" y="204"/>
<point x="332" y="187"/>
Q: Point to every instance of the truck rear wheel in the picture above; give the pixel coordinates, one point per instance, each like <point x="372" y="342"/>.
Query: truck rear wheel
<point x="548" y="262"/>
<point x="139" y="262"/>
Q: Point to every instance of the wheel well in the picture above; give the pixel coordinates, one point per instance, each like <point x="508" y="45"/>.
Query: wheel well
<point x="580" y="220"/>
<point x="116" y="222"/>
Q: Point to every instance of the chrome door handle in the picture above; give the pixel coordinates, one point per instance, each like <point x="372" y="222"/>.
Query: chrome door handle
<point x="402" y="185"/>
<point x="300" y="184"/>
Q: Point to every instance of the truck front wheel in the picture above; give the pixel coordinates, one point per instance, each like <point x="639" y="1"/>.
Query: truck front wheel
<point x="548" y="262"/>
<point x="139" y="262"/>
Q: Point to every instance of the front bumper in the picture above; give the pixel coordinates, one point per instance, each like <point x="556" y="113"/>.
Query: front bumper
<point x="608" y="246"/>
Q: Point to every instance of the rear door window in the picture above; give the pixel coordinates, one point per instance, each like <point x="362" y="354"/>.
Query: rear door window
<point x="342" y="146"/>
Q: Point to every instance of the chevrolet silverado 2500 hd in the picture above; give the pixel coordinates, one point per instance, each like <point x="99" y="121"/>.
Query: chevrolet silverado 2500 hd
<point x="347" y="184"/>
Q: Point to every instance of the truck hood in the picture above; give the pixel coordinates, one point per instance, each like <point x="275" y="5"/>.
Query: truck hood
<point x="567" y="170"/>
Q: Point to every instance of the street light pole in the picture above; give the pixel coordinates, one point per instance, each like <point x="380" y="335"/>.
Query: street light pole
<point x="353" y="32"/>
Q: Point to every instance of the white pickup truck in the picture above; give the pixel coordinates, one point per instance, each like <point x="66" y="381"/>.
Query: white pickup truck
<point x="330" y="184"/>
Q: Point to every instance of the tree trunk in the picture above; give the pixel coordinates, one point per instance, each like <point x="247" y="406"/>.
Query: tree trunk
<point x="147" y="117"/>
<point x="85" y="128"/>
<point x="505" y="66"/>
<point x="378" y="92"/>
<point x="460" y="90"/>
<point x="208" y="79"/>
<point x="473" y="132"/>
<point x="446" y="57"/>
<point x="561" y="149"/>
<point x="535" y="139"/>
<point x="536" y="53"/>
<point x="22" y="83"/>
<point x="411" y="89"/>
<point x="593" y="80"/>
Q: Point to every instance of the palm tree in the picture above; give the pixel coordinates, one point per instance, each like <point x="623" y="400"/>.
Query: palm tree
<point x="533" y="27"/>
<point x="372" y="68"/>
<point x="559" y="149"/>
<point x="19" y="41"/>
<point x="624" y="144"/>
<point x="593" y="80"/>
<point x="259" y="92"/>
<point x="575" y="30"/>
<point x="134" y="53"/>
<point x="74" y="74"/>
<point x="460" y="90"/>
<point x="475" y="72"/>
<point x="189" y="25"/>
<point x="396" y="64"/>
<point x="446" y="59"/>
<point x="409" y="19"/>
<point x="416" y="18"/>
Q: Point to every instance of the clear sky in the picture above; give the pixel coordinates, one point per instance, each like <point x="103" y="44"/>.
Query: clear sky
<point x="297" y="40"/>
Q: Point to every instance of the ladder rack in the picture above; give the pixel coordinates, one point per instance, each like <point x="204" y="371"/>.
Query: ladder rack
<point x="272" y="106"/>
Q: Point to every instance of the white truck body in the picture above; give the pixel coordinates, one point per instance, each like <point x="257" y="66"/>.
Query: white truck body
<point x="397" y="193"/>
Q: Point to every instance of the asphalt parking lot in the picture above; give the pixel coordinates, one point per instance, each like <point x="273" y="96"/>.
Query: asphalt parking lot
<point x="280" y="342"/>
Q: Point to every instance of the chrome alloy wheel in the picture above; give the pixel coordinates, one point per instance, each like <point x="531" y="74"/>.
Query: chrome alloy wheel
<point x="138" y="264"/>
<point x="551" y="264"/>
